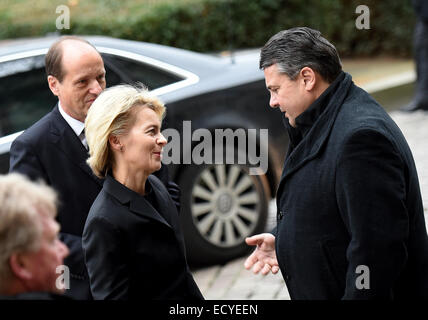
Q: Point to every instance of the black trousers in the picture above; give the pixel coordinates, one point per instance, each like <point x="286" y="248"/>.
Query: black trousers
<point x="421" y="58"/>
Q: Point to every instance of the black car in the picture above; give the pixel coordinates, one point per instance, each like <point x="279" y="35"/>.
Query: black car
<point x="218" y="122"/>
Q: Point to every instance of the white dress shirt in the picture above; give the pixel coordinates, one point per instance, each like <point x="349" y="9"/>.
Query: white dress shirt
<point x="77" y="126"/>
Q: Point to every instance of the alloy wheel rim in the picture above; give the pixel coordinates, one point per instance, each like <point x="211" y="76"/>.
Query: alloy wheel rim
<point x="225" y="204"/>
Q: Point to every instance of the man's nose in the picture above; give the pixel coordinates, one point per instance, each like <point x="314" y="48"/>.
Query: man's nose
<point x="95" y="88"/>
<point x="273" y="102"/>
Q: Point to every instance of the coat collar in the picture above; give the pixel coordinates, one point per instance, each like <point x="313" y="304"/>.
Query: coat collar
<point x="136" y="202"/>
<point x="63" y="136"/>
<point x="307" y="119"/>
<point x="315" y="138"/>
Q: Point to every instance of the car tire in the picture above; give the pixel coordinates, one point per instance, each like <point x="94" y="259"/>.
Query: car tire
<point x="222" y="204"/>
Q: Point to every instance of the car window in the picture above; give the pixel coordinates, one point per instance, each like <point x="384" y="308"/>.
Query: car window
<point x="112" y="78"/>
<point x="24" y="92"/>
<point x="136" y="71"/>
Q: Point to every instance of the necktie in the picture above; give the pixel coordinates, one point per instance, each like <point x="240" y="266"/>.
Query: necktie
<point x="82" y="138"/>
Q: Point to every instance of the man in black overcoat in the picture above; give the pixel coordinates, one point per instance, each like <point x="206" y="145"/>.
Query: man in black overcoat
<point x="54" y="148"/>
<point x="350" y="220"/>
<point x="420" y="46"/>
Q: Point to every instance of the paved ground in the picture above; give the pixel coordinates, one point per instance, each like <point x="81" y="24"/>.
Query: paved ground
<point x="232" y="281"/>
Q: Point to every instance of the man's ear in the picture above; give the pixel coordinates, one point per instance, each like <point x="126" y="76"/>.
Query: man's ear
<point x="19" y="265"/>
<point x="308" y="77"/>
<point x="115" y="143"/>
<point x="53" y="85"/>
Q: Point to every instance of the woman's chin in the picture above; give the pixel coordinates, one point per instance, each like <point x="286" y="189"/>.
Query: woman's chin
<point x="156" y="167"/>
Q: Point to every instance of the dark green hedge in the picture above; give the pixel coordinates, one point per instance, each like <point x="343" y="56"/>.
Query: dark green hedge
<point x="213" y="25"/>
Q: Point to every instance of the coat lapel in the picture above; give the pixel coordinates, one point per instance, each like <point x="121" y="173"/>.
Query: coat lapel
<point x="167" y="208"/>
<point x="142" y="207"/>
<point x="313" y="142"/>
<point x="163" y="203"/>
<point x="136" y="202"/>
<point x="68" y="143"/>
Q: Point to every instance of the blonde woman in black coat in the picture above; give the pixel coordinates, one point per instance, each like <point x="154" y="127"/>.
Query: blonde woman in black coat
<point x="132" y="242"/>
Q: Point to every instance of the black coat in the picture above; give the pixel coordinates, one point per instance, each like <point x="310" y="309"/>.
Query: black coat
<point x="421" y="9"/>
<point x="348" y="196"/>
<point x="50" y="150"/>
<point x="134" y="251"/>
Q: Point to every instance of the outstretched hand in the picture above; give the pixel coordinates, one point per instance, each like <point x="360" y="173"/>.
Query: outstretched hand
<point x="264" y="257"/>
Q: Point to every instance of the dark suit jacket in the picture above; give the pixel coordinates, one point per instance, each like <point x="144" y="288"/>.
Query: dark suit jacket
<point x="349" y="196"/>
<point x="133" y="251"/>
<point x="50" y="150"/>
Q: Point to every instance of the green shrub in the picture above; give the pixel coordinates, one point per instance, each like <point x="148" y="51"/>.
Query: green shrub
<point x="213" y="25"/>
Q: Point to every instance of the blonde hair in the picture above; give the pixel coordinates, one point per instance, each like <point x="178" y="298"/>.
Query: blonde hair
<point x="21" y="204"/>
<point x="112" y="114"/>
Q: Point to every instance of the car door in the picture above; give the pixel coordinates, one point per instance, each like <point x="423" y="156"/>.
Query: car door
<point x="25" y="98"/>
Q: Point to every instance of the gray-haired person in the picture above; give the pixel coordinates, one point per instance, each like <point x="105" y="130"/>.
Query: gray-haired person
<point x="30" y="251"/>
<point x="350" y="221"/>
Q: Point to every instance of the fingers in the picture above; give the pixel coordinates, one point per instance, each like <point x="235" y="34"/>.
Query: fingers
<point x="271" y="261"/>
<point x="266" y="269"/>
<point x="257" y="267"/>
<point x="275" y="269"/>
<point x="263" y="260"/>
<point x="269" y="268"/>
<point x="250" y="261"/>
<point x="255" y="240"/>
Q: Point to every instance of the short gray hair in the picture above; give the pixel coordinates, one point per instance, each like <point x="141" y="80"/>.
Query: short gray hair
<point x="296" y="48"/>
<point x="21" y="203"/>
<point x="112" y="113"/>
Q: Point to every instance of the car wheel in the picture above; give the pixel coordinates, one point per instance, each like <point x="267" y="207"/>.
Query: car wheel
<point x="222" y="205"/>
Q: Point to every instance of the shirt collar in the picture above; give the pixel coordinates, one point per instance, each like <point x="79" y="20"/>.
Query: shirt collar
<point x="76" y="125"/>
